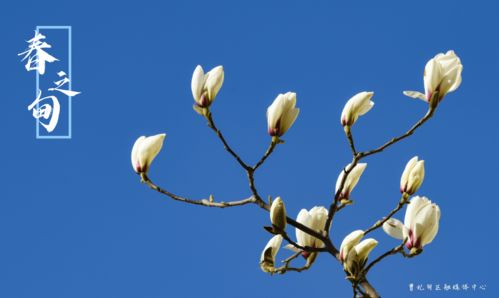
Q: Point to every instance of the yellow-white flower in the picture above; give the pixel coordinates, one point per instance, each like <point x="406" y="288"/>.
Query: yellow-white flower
<point x="145" y="150"/>
<point x="420" y="224"/>
<point x="442" y="74"/>
<point x="354" y="254"/>
<point x="351" y="180"/>
<point x="267" y="259"/>
<point x="278" y="214"/>
<point x="356" y="106"/>
<point x="205" y="87"/>
<point x="349" y="242"/>
<point x="314" y="219"/>
<point x="282" y="113"/>
<point x="413" y="176"/>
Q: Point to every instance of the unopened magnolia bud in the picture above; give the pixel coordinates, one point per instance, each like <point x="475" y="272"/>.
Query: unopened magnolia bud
<point x="349" y="242"/>
<point x="357" y="256"/>
<point x="281" y="114"/>
<point x="356" y="106"/>
<point x="364" y="248"/>
<point x="278" y="214"/>
<point x="205" y="87"/>
<point x="267" y="259"/>
<point x="351" y="180"/>
<point x="144" y="150"/>
<point x="413" y="176"/>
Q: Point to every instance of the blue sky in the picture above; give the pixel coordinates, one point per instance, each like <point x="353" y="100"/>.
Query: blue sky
<point x="76" y="222"/>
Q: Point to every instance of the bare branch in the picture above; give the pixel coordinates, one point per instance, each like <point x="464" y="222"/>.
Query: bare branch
<point x="348" y="132"/>
<point x="212" y="125"/>
<point x="421" y="121"/>
<point x="285" y="268"/>
<point x="392" y="251"/>
<point x="275" y="141"/>
<point x="285" y="236"/>
<point x="203" y="202"/>
<point x="370" y="291"/>
<point x="379" y="223"/>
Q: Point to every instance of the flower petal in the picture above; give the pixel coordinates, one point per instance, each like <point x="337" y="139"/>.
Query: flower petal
<point x="415" y="94"/>
<point x="394" y="228"/>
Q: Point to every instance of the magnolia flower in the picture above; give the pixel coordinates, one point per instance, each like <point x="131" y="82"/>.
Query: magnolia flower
<point x="349" y="242"/>
<point x="282" y="113"/>
<point x="267" y="259"/>
<point x="278" y="214"/>
<point x="351" y="180"/>
<point x="354" y="254"/>
<point x="145" y="150"/>
<point x="356" y="106"/>
<point x="314" y="219"/>
<point x="205" y="87"/>
<point x="442" y="74"/>
<point x="413" y="176"/>
<point x="420" y="224"/>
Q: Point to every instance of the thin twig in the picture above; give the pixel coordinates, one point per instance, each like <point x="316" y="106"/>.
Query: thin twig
<point x="392" y="251"/>
<point x="212" y="125"/>
<point x="269" y="151"/>
<point x="421" y="121"/>
<point x="303" y="248"/>
<point x="354" y="288"/>
<point x="348" y="132"/>
<point x="203" y="202"/>
<point x="284" y="268"/>
<point x="380" y="222"/>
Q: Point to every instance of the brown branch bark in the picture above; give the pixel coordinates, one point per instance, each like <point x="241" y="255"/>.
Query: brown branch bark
<point x="380" y="222"/>
<point x="421" y="121"/>
<point x="203" y="202"/>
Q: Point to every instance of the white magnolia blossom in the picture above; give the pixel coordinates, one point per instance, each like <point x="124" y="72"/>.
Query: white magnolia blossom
<point x="420" y="224"/>
<point x="267" y="259"/>
<point x="282" y="113"/>
<point x="278" y="214"/>
<point x="356" y="106"/>
<point x="349" y="242"/>
<point x="314" y="219"/>
<point x="413" y="176"/>
<point x="351" y="180"/>
<point x="443" y="74"/>
<point x="145" y="150"/>
<point x="353" y="252"/>
<point x="205" y="87"/>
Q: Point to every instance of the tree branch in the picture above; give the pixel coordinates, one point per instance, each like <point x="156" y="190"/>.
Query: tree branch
<point x="275" y="141"/>
<point x="212" y="125"/>
<point x="380" y="222"/>
<point x="203" y="202"/>
<point x="392" y="251"/>
<point x="285" y="236"/>
<point x="421" y="121"/>
<point x="369" y="289"/>
<point x="348" y="132"/>
<point x="283" y="269"/>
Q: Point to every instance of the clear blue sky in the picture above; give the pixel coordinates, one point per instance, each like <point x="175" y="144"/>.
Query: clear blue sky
<point x="75" y="221"/>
